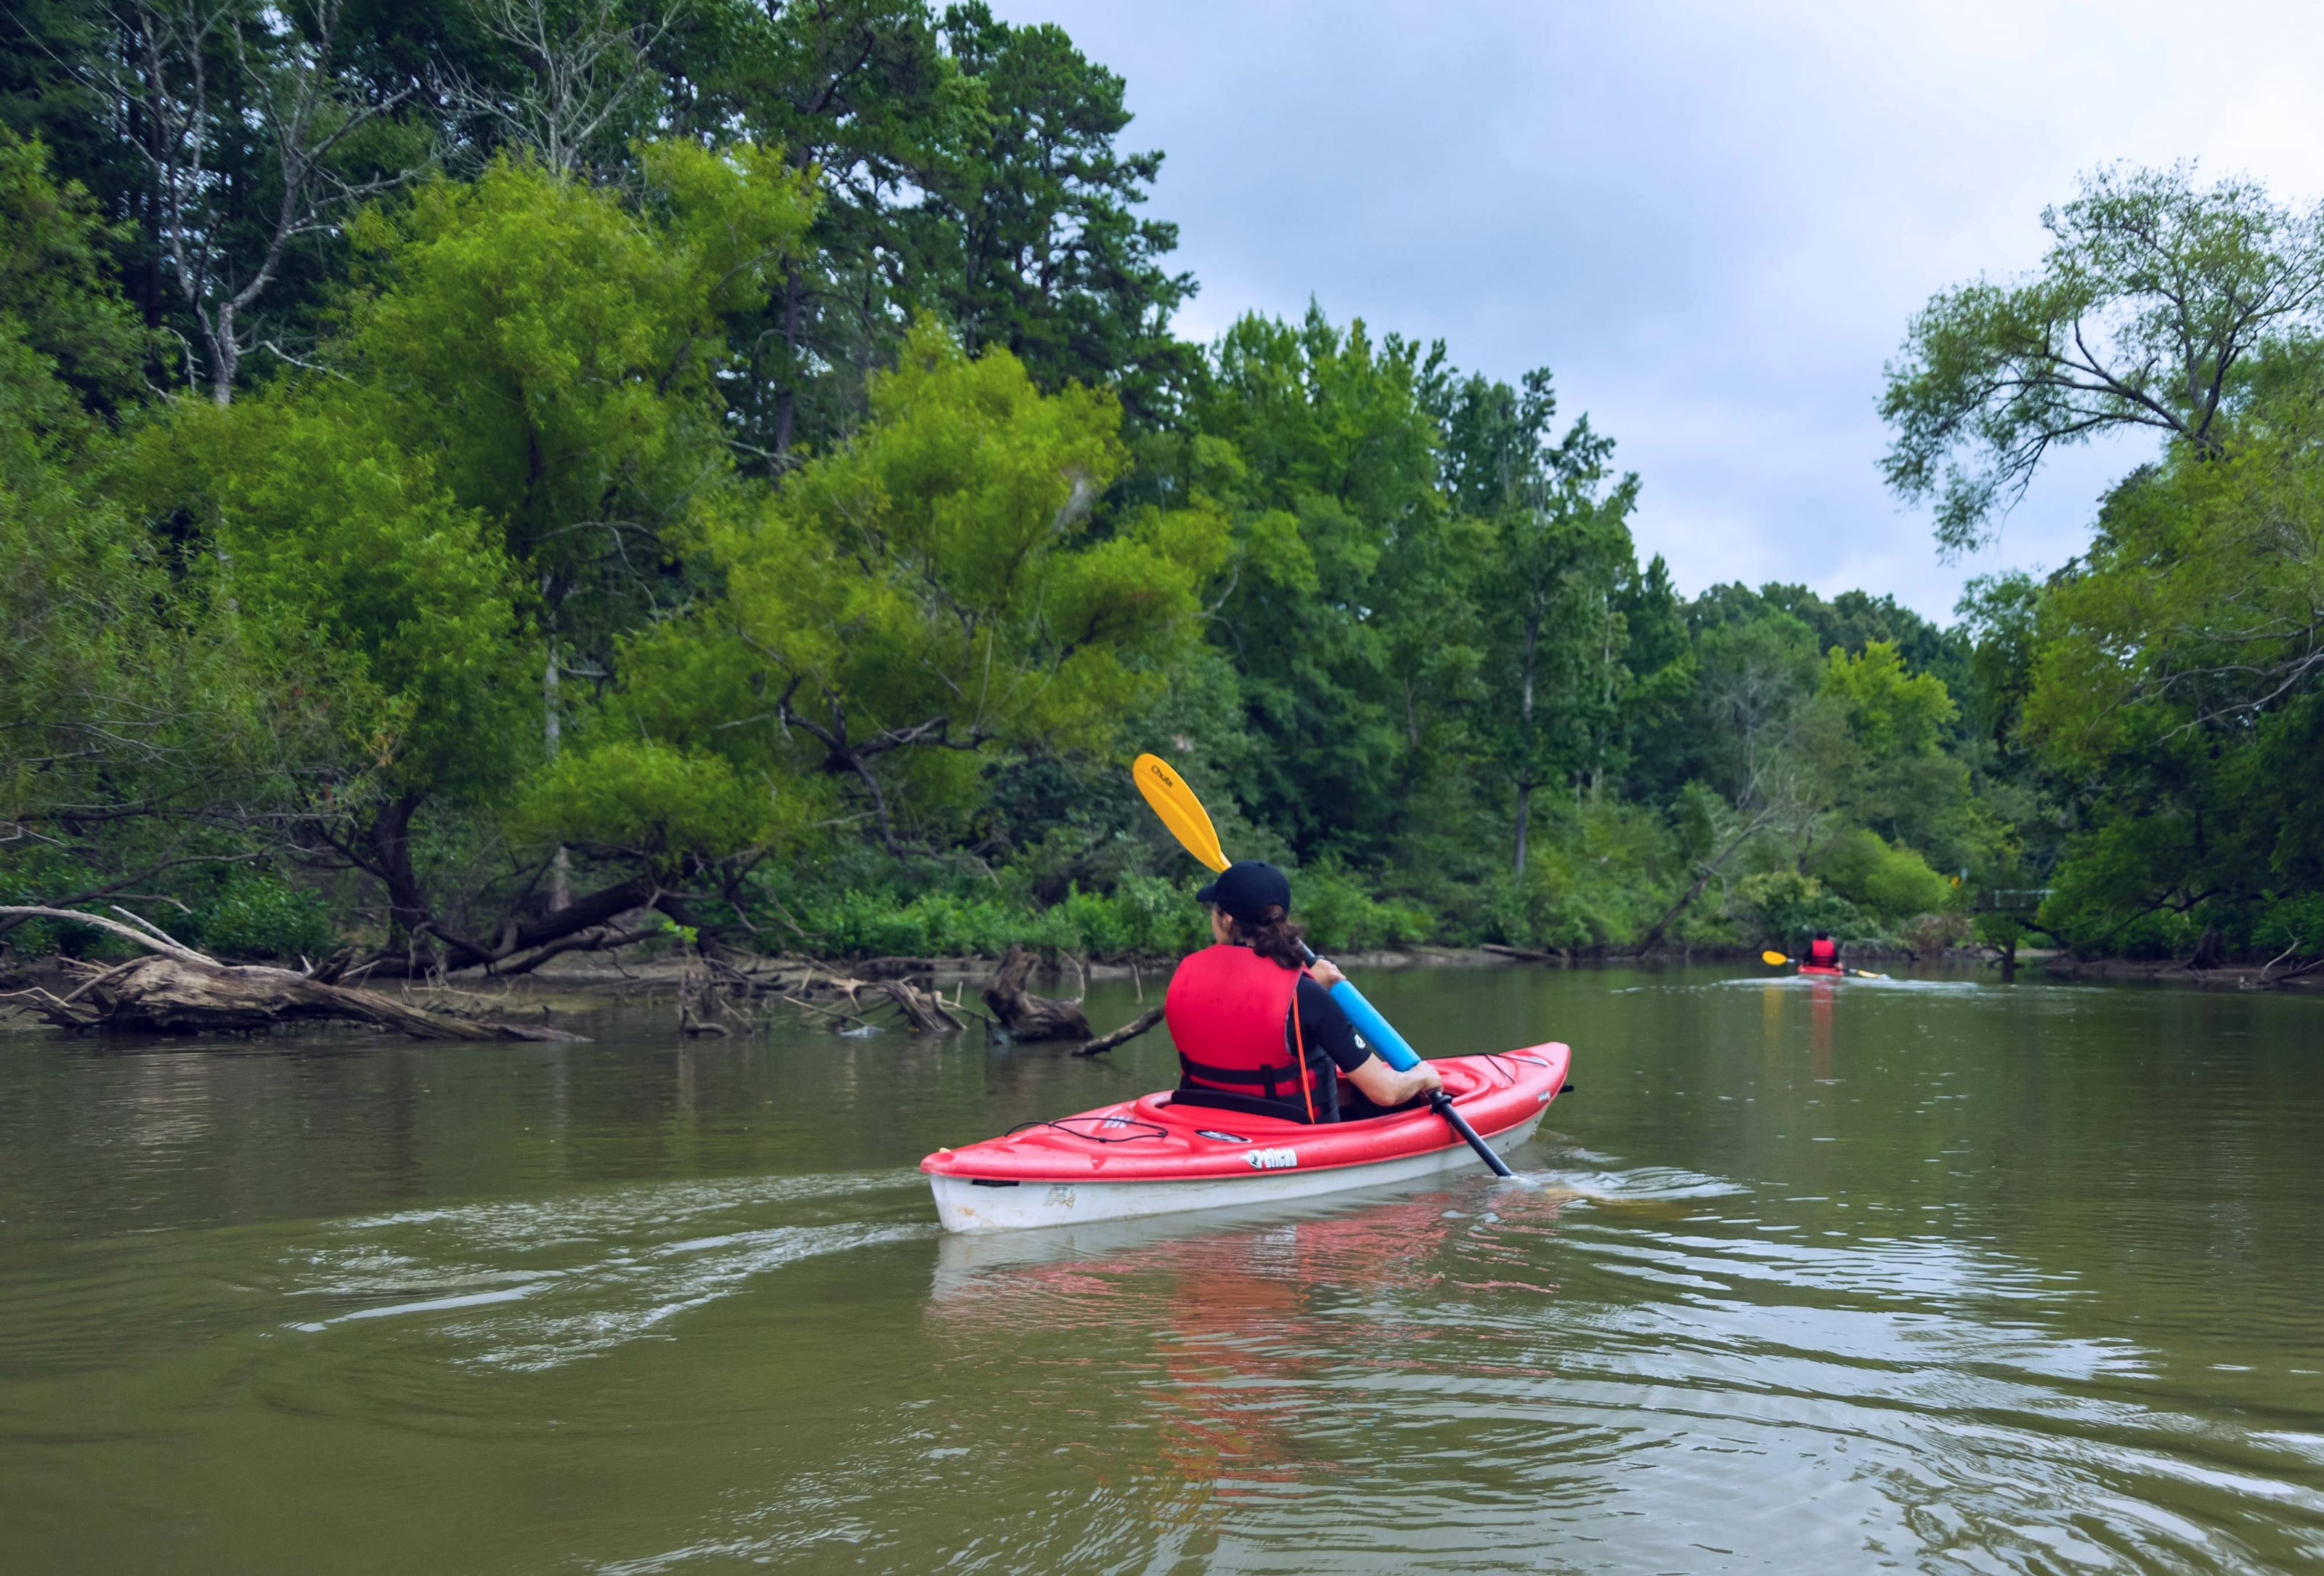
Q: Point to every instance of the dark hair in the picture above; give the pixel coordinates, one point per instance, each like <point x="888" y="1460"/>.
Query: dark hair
<point x="1274" y="937"/>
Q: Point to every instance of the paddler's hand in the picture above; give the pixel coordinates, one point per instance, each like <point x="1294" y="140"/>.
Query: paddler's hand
<point x="1326" y="973"/>
<point x="1427" y="1077"/>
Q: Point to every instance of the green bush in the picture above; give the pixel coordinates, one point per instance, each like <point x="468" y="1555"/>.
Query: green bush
<point x="1144" y="914"/>
<point x="1891" y="881"/>
<point x="2293" y="923"/>
<point x="1340" y="916"/>
<point x="2151" y="936"/>
<point x="259" y="917"/>
<point x="1784" y="908"/>
<point x="1597" y="876"/>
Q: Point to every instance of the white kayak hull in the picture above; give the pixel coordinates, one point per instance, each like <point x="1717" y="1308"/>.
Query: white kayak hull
<point x="969" y="1206"/>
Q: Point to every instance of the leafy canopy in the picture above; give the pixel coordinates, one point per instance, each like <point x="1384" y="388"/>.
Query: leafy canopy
<point x="934" y="586"/>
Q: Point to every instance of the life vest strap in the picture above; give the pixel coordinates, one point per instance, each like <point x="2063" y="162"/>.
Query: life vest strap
<point x="1267" y="1078"/>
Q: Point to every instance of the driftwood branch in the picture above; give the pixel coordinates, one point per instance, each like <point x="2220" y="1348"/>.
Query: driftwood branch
<point x="1122" y="1035"/>
<point x="143" y="937"/>
<point x="925" y="1010"/>
<point x="180" y="990"/>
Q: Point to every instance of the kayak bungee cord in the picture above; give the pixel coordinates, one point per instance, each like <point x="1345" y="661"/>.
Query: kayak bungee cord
<point x="1151" y="1130"/>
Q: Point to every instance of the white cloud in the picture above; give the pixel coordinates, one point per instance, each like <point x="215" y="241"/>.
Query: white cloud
<point x="1713" y="220"/>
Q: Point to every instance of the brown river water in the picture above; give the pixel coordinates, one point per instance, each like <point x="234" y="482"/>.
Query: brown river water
<point x="1933" y="1276"/>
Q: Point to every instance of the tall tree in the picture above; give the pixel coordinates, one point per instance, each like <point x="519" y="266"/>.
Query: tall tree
<point x="1561" y="523"/>
<point x="127" y="714"/>
<point x="1322" y="443"/>
<point x="255" y="145"/>
<point x="1036" y="244"/>
<point x="858" y="92"/>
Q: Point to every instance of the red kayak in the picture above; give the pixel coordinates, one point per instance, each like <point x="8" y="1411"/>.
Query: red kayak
<point x="1151" y="1157"/>
<point x="1814" y="971"/>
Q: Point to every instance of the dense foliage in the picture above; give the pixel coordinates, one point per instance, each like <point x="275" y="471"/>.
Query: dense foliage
<point x="472" y="472"/>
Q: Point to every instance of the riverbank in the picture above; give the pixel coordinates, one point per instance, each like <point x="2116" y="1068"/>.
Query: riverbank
<point x="585" y="984"/>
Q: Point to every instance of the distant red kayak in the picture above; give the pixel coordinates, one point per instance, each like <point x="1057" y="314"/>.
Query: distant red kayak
<point x="1812" y="969"/>
<point x="1151" y="1155"/>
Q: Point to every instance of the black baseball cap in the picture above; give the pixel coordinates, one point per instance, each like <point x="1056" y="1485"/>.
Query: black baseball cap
<point x="1246" y="889"/>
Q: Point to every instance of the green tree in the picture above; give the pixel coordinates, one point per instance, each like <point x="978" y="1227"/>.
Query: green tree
<point x="128" y="719"/>
<point x="1039" y="246"/>
<point x="859" y="96"/>
<point x="1885" y="766"/>
<point x="1563" y="551"/>
<point x="931" y="589"/>
<point x="2175" y="689"/>
<point x="2153" y="296"/>
<point x="515" y="458"/>
<point x="1321" y="444"/>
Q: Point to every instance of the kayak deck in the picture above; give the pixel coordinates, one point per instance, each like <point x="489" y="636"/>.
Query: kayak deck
<point x="1151" y="1155"/>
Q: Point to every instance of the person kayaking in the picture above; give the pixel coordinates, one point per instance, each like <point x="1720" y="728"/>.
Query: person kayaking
<point x="1823" y="953"/>
<point x="1255" y="1026"/>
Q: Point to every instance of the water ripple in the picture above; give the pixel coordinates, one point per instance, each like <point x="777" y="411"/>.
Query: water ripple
<point x="545" y="1282"/>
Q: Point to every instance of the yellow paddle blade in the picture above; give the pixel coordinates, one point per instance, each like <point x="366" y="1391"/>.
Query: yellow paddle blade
<point x="1773" y="959"/>
<point x="1180" y="810"/>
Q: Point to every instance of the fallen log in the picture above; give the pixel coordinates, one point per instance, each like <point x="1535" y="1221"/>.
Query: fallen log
<point x="181" y="990"/>
<point x="1031" y="1018"/>
<point x="1122" y="1035"/>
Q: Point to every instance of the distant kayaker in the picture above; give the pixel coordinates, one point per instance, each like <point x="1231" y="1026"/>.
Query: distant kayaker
<point x="1823" y="953"/>
<point x="1255" y="1023"/>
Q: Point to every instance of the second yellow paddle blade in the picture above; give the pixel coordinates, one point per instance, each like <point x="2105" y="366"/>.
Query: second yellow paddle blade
<point x="1773" y="959"/>
<point x="1180" y="810"/>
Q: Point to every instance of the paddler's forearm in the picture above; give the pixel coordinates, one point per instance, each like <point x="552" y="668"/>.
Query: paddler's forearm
<point x="1383" y="1086"/>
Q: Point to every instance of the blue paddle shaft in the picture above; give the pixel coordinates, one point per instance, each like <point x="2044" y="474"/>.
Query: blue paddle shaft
<point x="1376" y="1031"/>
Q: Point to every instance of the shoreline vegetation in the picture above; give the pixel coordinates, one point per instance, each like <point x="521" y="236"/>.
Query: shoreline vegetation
<point x="463" y="514"/>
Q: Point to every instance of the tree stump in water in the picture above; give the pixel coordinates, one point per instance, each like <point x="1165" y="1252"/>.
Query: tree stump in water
<point x="1031" y="1018"/>
<point x="179" y="990"/>
<point x="2210" y="950"/>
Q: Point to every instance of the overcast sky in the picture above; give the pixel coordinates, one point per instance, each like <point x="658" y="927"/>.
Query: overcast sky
<point x="1711" y="220"/>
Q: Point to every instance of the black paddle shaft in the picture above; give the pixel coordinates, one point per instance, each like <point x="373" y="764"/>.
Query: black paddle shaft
<point x="1441" y="1104"/>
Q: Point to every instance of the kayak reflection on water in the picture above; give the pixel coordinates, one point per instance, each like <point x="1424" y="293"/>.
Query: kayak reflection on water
<point x="1220" y="1331"/>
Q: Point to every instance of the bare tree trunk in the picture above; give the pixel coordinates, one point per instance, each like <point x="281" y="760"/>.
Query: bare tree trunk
<point x="552" y="734"/>
<point x="1711" y="868"/>
<point x="2211" y="949"/>
<point x="786" y="408"/>
<point x="408" y="913"/>
<point x="1525" y="726"/>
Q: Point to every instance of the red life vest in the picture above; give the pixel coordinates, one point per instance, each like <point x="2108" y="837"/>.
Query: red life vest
<point x="1824" y="955"/>
<point x="1229" y="1006"/>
